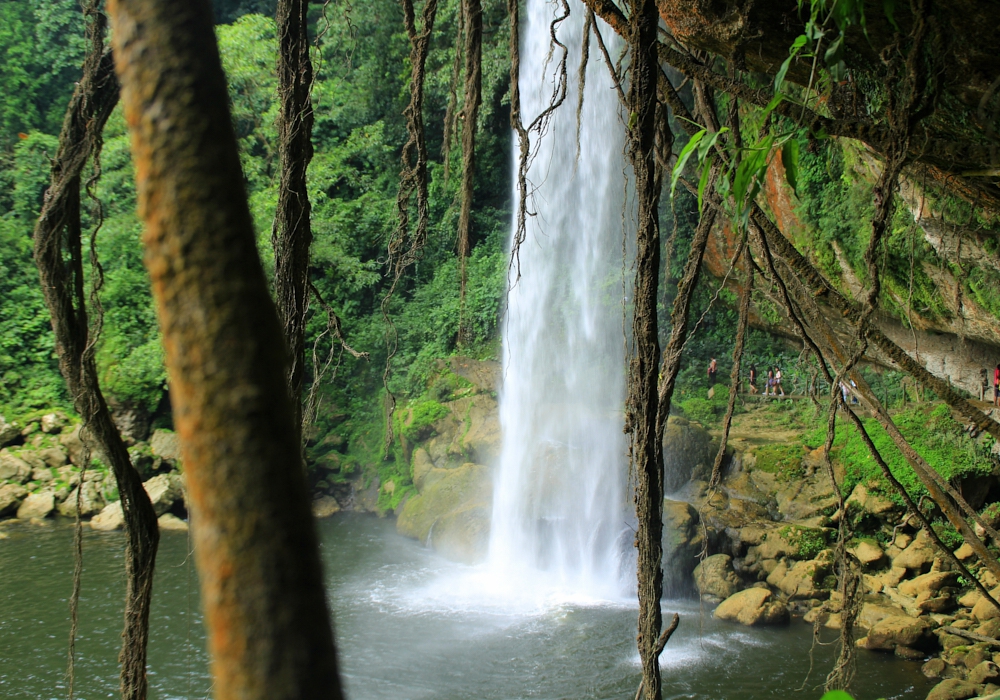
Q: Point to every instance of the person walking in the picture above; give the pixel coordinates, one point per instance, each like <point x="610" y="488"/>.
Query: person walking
<point x="777" y="380"/>
<point x="713" y="368"/>
<point x="753" y="379"/>
<point x="769" y="387"/>
<point x="996" y="386"/>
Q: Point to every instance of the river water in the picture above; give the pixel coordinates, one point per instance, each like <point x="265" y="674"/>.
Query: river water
<point x="409" y="625"/>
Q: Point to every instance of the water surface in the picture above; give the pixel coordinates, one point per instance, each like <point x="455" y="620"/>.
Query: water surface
<point x="409" y="625"/>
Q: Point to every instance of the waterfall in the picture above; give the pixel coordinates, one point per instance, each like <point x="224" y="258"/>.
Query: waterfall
<point x="560" y="488"/>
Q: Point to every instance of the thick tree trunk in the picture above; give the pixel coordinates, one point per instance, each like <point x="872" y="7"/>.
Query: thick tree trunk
<point x="255" y="542"/>
<point x="93" y="100"/>
<point x="292" y="233"/>
<point x="643" y="400"/>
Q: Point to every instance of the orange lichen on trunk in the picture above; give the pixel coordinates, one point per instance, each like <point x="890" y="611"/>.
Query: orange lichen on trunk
<point x="255" y="541"/>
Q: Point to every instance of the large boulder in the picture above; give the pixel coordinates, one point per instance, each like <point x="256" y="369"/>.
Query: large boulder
<point x="452" y="513"/>
<point x="91" y="500"/>
<point x="682" y="544"/>
<point x="70" y="440"/>
<point x="111" y="518"/>
<point x="868" y="553"/>
<point x="898" y="630"/>
<point x="928" y="583"/>
<point x="754" y="606"/>
<point x="37" y="505"/>
<point x="953" y="689"/>
<point x="804" y="579"/>
<point x="52" y="422"/>
<point x="165" y="444"/>
<point x="170" y="522"/>
<point x="54" y="457"/>
<point x="864" y="499"/>
<point x="918" y="555"/>
<point x="13" y="468"/>
<point x="325" y="506"/>
<point x="164" y="491"/>
<point x="687" y="453"/>
<point x="715" y="578"/>
<point x="984" y="610"/>
<point x="8" y="431"/>
<point x="11" y="496"/>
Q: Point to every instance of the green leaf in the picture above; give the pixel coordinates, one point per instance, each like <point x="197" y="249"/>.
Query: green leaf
<point x="837" y="695"/>
<point x="790" y="159"/>
<point x="683" y="158"/>
<point x="797" y="45"/>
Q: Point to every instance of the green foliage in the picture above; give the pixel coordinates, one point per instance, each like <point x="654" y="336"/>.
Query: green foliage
<point x="423" y="415"/>
<point x="701" y="410"/>
<point x="784" y="459"/>
<point x="808" y="541"/>
<point x="948" y="534"/>
<point x="929" y="429"/>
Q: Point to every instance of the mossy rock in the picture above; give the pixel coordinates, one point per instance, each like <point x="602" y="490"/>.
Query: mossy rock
<point x="688" y="452"/>
<point x="452" y="512"/>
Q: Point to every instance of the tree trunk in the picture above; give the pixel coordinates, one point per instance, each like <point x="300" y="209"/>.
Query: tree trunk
<point x="292" y="233"/>
<point x="93" y="100"/>
<point x="643" y="399"/>
<point x="255" y="541"/>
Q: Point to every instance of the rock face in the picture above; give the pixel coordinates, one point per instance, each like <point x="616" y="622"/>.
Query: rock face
<point x="715" y="578"/>
<point x="452" y="512"/>
<point x="8" y="431"/>
<point x="918" y="555"/>
<point x="682" y="544"/>
<point x="754" y="606"/>
<point x="37" y="505"/>
<point x="687" y="453"/>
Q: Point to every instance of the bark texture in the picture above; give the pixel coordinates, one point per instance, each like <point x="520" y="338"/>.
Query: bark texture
<point x="643" y="399"/>
<point x="473" y="10"/>
<point x="257" y="553"/>
<point x="58" y="232"/>
<point x="292" y="232"/>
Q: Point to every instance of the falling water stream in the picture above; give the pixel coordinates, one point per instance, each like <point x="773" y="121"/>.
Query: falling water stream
<point x="559" y="490"/>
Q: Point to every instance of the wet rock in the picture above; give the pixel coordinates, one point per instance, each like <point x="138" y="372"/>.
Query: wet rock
<point x="953" y="689"/>
<point x="715" y="578"/>
<point x="74" y="446"/>
<point x="452" y="499"/>
<point x="909" y="653"/>
<point x="325" y="506"/>
<point x="11" y="496"/>
<point x="918" y="556"/>
<point x="171" y="523"/>
<point x="13" y="468"/>
<point x="687" y="453"/>
<point x="891" y="632"/>
<point x="933" y="669"/>
<point x="777" y="545"/>
<point x="682" y="544"/>
<point x="754" y="606"/>
<point x="804" y="580"/>
<point x="37" y="505"/>
<point x="111" y="518"/>
<point x="873" y="613"/>
<point x="164" y="491"/>
<point x="165" y="444"/>
<point x="422" y="466"/>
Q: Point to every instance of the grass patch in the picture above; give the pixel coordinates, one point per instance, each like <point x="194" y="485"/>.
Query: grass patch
<point x="784" y="459"/>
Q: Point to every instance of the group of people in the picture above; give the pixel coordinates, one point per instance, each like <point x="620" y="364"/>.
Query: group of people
<point x="772" y="386"/>
<point x="996" y="386"/>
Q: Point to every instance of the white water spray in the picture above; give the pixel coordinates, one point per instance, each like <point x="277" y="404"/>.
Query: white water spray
<point x="559" y="497"/>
